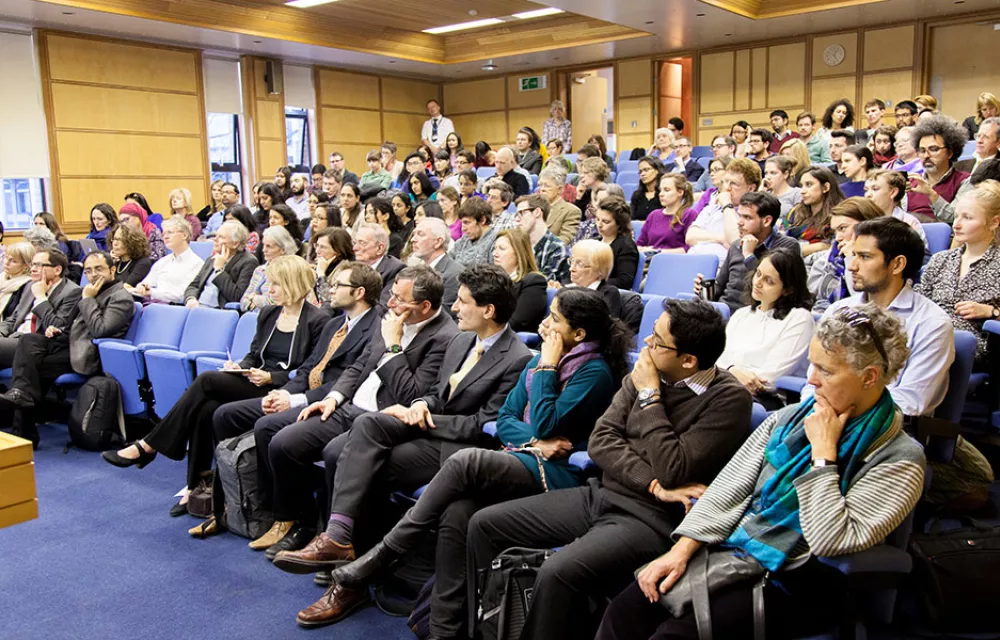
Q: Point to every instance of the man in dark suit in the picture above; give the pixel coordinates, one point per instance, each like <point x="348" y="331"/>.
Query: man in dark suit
<point x="105" y="311"/>
<point x="399" y="365"/>
<point x="225" y="276"/>
<point x="404" y="446"/>
<point x="371" y="242"/>
<point x="430" y="241"/>
<point x="50" y="302"/>
<point x="684" y="163"/>
<point x="355" y="292"/>
<point x="987" y="145"/>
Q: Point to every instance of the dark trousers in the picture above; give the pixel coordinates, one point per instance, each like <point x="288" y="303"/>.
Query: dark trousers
<point x="468" y="481"/>
<point x="807" y="600"/>
<point x="187" y="427"/>
<point x="8" y="347"/>
<point x="37" y="362"/>
<point x="292" y="449"/>
<point x="603" y="547"/>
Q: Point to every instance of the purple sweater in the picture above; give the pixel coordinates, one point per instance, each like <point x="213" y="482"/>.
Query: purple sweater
<point x="658" y="232"/>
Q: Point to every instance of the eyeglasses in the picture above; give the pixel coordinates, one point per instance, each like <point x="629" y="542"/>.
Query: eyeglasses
<point x="41" y="265"/>
<point x="855" y="318"/>
<point x="923" y="151"/>
<point x="579" y="264"/>
<point x="95" y="271"/>
<point x="719" y="146"/>
<point x="655" y="345"/>
<point x="346" y="285"/>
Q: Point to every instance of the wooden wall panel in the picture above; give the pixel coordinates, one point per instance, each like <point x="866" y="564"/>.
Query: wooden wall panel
<point x="850" y="64"/>
<point x="786" y="73"/>
<point x="89" y="107"/>
<point x="403" y="128"/>
<point x="890" y="86"/>
<point x="520" y="99"/>
<point x="631" y="140"/>
<point x="635" y="110"/>
<point x="491" y="127"/>
<point x="81" y="194"/>
<point x="265" y="120"/>
<point x="272" y="154"/>
<point x="717" y="91"/>
<point x="826" y="90"/>
<point x="741" y="94"/>
<point x="474" y="96"/>
<point x="345" y="89"/>
<point x="351" y="125"/>
<point x="122" y="116"/>
<point x="354" y="154"/>
<point x="534" y="118"/>
<point x="889" y="48"/>
<point x="758" y="74"/>
<point x="960" y="67"/>
<point x="270" y="119"/>
<point x="409" y="96"/>
<point x="634" y="77"/>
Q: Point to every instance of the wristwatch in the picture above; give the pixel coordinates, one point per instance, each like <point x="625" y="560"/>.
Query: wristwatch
<point x="394" y="348"/>
<point x="995" y="313"/>
<point x="821" y="462"/>
<point x="648" y="397"/>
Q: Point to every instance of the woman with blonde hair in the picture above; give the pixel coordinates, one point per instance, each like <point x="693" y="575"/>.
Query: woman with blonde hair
<point x="987" y="106"/>
<point x="215" y="205"/>
<point x="799" y="152"/>
<point x="180" y="205"/>
<point x="512" y="252"/>
<point x="287" y="333"/>
<point x="965" y="281"/>
<point x="16" y="276"/>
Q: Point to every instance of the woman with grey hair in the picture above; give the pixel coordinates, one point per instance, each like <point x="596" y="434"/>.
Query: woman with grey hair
<point x="558" y="127"/>
<point x="830" y="476"/>
<point x="277" y="242"/>
<point x="40" y="238"/>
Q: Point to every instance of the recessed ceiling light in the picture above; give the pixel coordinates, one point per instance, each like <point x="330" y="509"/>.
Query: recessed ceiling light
<point x="699" y="15"/>
<point x="305" y="4"/>
<point x="538" y="13"/>
<point x="461" y="26"/>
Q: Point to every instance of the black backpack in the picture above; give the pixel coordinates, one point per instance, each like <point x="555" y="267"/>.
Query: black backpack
<point x="96" y="420"/>
<point x="505" y="589"/>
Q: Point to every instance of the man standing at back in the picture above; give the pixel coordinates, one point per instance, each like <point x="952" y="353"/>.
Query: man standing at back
<point x="436" y="129"/>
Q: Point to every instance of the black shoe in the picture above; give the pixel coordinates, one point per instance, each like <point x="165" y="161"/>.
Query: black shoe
<point x="362" y="571"/>
<point x="112" y="457"/>
<point x="323" y="579"/>
<point x="294" y="540"/>
<point x="18" y="399"/>
<point x="178" y="509"/>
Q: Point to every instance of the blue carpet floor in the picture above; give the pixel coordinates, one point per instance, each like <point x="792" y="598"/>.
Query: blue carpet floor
<point x="104" y="560"/>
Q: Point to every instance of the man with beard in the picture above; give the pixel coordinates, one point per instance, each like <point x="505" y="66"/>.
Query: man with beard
<point x="299" y="202"/>
<point x="940" y="141"/>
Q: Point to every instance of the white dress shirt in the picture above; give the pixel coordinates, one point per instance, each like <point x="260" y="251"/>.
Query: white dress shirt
<point x="770" y="348"/>
<point x="445" y="126"/>
<point x="171" y="275"/>
<point x="299" y="399"/>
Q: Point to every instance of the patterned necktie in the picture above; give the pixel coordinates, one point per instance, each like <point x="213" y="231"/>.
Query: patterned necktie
<point x="457" y="377"/>
<point x="316" y="375"/>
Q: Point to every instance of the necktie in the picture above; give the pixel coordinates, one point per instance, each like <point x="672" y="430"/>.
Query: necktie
<point x="457" y="377"/>
<point x="316" y="375"/>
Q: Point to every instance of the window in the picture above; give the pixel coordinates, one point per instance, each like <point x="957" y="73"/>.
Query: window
<point x="22" y="198"/>
<point x="224" y="148"/>
<point x="297" y="136"/>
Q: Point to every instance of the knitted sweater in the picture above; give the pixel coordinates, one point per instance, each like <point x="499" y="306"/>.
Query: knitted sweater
<point x="882" y="493"/>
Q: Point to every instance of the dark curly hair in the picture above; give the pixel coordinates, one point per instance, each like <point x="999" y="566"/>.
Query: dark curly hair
<point x="488" y="284"/>
<point x="828" y="114"/>
<point x="792" y="272"/>
<point x="136" y="243"/>
<point x="953" y="134"/>
<point x="586" y="309"/>
<point x="620" y="211"/>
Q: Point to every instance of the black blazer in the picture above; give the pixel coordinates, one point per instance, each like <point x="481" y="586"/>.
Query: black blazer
<point x="459" y="415"/>
<point x="346" y="354"/>
<point x="693" y="170"/>
<point x="643" y="206"/>
<point x="232" y="281"/>
<point x="612" y="296"/>
<point x="517" y="182"/>
<point x="407" y="376"/>
<point x="532" y="303"/>
<point x="388" y="269"/>
<point x="626" y="261"/>
<point x="307" y="333"/>
<point x="135" y="271"/>
<point x="531" y="162"/>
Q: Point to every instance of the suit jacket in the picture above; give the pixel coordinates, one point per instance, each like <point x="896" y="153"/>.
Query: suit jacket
<point x="410" y="374"/>
<point x="693" y="170"/>
<point x="312" y="320"/>
<point x="449" y="270"/>
<point x="346" y="354"/>
<point x="57" y="311"/>
<point x="107" y="315"/>
<point x="563" y="220"/>
<point x="531" y="162"/>
<point x="388" y="269"/>
<point x="459" y="415"/>
<point x="232" y="281"/>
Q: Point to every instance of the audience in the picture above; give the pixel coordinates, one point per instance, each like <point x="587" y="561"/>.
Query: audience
<point x="450" y="201"/>
<point x="809" y="221"/>
<point x="564" y="217"/>
<point x="737" y="138"/>
<point x="684" y="163"/>
<point x="324" y="216"/>
<point x="856" y="161"/>
<point x="420" y="188"/>
<point x="241" y="214"/>
<point x="778" y="172"/>
<point x="676" y="421"/>
<point x="965" y="281"/>
<point x="102" y="220"/>
<point x="298" y="200"/>
<point x="430" y="242"/>
<point x="277" y="242"/>
<point x="589" y="267"/>
<point x="940" y="142"/>
<point x="887" y="190"/>
<point x="551" y="253"/>
<point x="839" y="116"/>
<point x="712" y="191"/>
<point x="381" y="211"/>
<point x="840" y="140"/>
<point x="230" y="197"/>
<point x="663" y="145"/>
<point x="268" y="196"/>
<point x="225" y="276"/>
<point x="478" y="234"/>
<point x="283" y="180"/>
<point x="760" y="142"/>
<point x="499" y="196"/>
<point x="377" y="177"/>
<point x="593" y="174"/>
<point x="829" y="278"/>
<point x="906" y="113"/>
<point x="796" y="151"/>
<point x="598" y="141"/>
<point x="15" y="280"/>
<point x="987" y="139"/>
<point x="646" y="198"/>
<point x="769" y="338"/>
<point x="436" y="128"/>
<point x="883" y="145"/>
<point x="333" y="247"/>
<point x="803" y="486"/>
<point x="371" y="243"/>
<point x="512" y="253"/>
<point x="715" y="229"/>
<point x="352" y="215"/>
<point x="666" y="228"/>
<point x="505" y="162"/>
<point x="987" y="106"/>
<point x="557" y="127"/>
<point x="453" y="145"/>
<point x="169" y="277"/>
<point x="907" y="160"/>
<point x="816" y="142"/>
<point x="130" y="249"/>
<point x="180" y="205"/>
<point x="615" y="227"/>
<point x="527" y="147"/>
<point x="874" y="110"/>
<point x="134" y="216"/>
<point x="215" y="205"/>
<point x="782" y="134"/>
<point x="274" y="353"/>
<point x="389" y="161"/>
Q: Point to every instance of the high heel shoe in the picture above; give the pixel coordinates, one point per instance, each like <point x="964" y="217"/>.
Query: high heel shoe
<point x="112" y="457"/>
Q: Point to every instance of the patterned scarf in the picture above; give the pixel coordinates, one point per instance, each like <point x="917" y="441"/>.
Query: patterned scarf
<point x="771" y="528"/>
<point x="569" y="364"/>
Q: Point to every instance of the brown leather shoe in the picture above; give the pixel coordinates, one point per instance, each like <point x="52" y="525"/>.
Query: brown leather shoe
<point x="323" y="553"/>
<point x="335" y="605"/>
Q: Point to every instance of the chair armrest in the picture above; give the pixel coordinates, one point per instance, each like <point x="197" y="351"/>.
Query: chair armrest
<point x="790" y="383"/>
<point x="232" y="305"/>
<point x="490" y="428"/>
<point x="581" y="460"/>
<point x="879" y="559"/>
<point x="100" y="341"/>
<point x="194" y="355"/>
<point x="529" y="339"/>
<point x="146" y="346"/>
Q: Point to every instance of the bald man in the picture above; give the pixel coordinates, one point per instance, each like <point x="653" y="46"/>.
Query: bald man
<point x="505" y="163"/>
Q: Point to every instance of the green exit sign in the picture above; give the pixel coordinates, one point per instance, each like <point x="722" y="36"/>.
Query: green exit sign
<point x="532" y="83"/>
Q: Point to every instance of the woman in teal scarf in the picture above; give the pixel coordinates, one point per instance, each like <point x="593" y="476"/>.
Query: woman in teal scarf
<point x="830" y="476"/>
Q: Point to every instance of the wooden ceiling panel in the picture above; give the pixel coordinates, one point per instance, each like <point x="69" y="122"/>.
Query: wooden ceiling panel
<point x="762" y="9"/>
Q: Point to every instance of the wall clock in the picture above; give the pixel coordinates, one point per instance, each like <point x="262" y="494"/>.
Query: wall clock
<point x="833" y="55"/>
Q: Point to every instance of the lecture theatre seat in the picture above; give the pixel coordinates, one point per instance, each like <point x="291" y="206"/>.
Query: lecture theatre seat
<point x="202" y="249"/>
<point x="171" y="370"/>
<point x="242" y="339"/>
<point x="485" y="172"/>
<point x="938" y="236"/>
<point x="673" y="273"/>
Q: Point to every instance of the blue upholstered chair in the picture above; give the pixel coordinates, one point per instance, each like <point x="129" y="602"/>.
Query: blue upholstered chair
<point x="245" y="330"/>
<point x="673" y="273"/>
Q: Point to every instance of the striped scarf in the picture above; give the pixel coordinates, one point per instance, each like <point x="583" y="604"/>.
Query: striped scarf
<point x="771" y="528"/>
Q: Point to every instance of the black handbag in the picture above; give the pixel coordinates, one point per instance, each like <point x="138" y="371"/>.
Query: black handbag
<point x="956" y="576"/>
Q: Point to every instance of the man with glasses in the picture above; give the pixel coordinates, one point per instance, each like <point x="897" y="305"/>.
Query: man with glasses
<point x="759" y="143"/>
<point x="940" y="142"/>
<point x="683" y="162"/>
<point x="782" y="134"/>
<point x="399" y="365"/>
<point x="463" y="160"/>
<point x="887" y="255"/>
<point x="722" y="147"/>
<point x="171" y="274"/>
<point x="225" y="276"/>
<point x="371" y="242"/>
<point x="337" y="164"/>
<point x="230" y="196"/>
<point x="436" y="129"/>
<point x="551" y="253"/>
<point x="676" y="421"/>
<point x="355" y="291"/>
<point x="104" y="310"/>
<point x="987" y="145"/>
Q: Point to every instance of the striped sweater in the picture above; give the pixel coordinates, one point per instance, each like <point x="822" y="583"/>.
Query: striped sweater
<point x="883" y="492"/>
